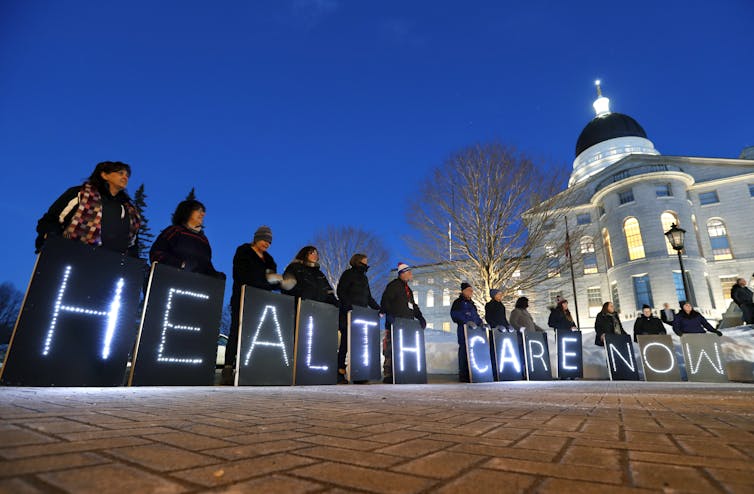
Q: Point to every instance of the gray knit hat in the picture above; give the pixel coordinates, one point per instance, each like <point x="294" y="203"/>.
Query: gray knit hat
<point x="263" y="233"/>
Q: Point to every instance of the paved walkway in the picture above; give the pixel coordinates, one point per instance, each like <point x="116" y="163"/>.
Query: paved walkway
<point x="525" y="437"/>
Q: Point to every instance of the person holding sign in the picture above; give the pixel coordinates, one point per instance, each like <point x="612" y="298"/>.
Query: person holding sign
<point x="253" y="266"/>
<point x="98" y="213"/>
<point x="397" y="301"/>
<point x="690" y="321"/>
<point x="353" y="289"/>
<point x="521" y="318"/>
<point x="183" y="245"/>
<point x="494" y="311"/>
<point x="744" y="298"/>
<point x="606" y="322"/>
<point x="463" y="312"/>
<point x="560" y="317"/>
<point x="647" y="323"/>
<point x="311" y="282"/>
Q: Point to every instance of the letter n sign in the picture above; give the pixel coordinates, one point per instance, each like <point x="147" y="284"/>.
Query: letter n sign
<point x="79" y="318"/>
<point x="363" y="345"/>
<point x="177" y="344"/>
<point x="316" y="343"/>
<point x="409" y="361"/>
<point x="621" y="362"/>
<point x="265" y="338"/>
<point x="478" y="355"/>
<point x="537" y="356"/>
<point x="704" y="360"/>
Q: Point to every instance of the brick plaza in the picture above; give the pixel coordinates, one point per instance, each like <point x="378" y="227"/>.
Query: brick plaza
<point x="588" y="436"/>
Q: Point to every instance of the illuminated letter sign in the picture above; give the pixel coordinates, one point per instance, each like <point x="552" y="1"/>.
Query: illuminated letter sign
<point x="570" y="359"/>
<point x="316" y="343"/>
<point x="537" y="355"/>
<point x="508" y="356"/>
<point x="408" y="352"/>
<point x="478" y="355"/>
<point x="363" y="358"/>
<point x="177" y="344"/>
<point x="621" y="362"/>
<point x="78" y="321"/>
<point x="703" y="357"/>
<point x="658" y="358"/>
<point x="265" y="344"/>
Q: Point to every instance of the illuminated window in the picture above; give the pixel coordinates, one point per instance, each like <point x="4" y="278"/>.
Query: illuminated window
<point x="642" y="291"/>
<point x="663" y="190"/>
<point x="667" y="219"/>
<point x="446" y="327"/>
<point x="679" y="289"/>
<point x="594" y="300"/>
<point x="614" y="295"/>
<point x="430" y="298"/>
<point x="430" y="325"/>
<point x="553" y="263"/>
<point x="430" y="281"/>
<point x="626" y="196"/>
<point x="727" y="282"/>
<point x="588" y="255"/>
<point x="718" y="237"/>
<point x="583" y="219"/>
<point x="633" y="238"/>
<point x="708" y="197"/>
<point x="608" y="248"/>
<point x="445" y="297"/>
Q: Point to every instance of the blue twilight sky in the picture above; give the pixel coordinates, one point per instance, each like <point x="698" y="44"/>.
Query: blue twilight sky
<point x="305" y="113"/>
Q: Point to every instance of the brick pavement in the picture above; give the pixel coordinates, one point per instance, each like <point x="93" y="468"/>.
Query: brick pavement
<point x="448" y="438"/>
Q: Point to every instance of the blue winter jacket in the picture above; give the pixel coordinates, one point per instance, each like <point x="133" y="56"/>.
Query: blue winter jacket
<point x="463" y="311"/>
<point x="693" y="323"/>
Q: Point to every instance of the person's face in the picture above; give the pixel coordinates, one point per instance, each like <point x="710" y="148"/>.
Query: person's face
<point x="364" y="262"/>
<point x="666" y="305"/>
<point x="687" y="308"/>
<point x="313" y="256"/>
<point x="742" y="282"/>
<point x="406" y="276"/>
<point x="498" y="296"/>
<point x="117" y="180"/>
<point x="646" y="312"/>
<point x="261" y="245"/>
<point x="468" y="292"/>
<point x="197" y="218"/>
<point x="565" y="306"/>
<point x="610" y="307"/>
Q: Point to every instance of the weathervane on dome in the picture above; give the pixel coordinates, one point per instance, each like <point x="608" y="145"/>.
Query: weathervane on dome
<point x="601" y="104"/>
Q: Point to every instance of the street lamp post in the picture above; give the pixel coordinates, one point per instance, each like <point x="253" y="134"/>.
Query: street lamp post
<point x="676" y="236"/>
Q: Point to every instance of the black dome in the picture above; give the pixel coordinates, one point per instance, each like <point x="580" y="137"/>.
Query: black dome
<point x="607" y="127"/>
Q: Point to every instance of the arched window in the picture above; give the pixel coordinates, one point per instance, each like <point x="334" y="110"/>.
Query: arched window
<point x="553" y="263"/>
<point x="608" y="248"/>
<point x="667" y="219"/>
<point x="445" y="297"/>
<point x="588" y="255"/>
<point x="718" y="238"/>
<point x="430" y="298"/>
<point x="633" y="239"/>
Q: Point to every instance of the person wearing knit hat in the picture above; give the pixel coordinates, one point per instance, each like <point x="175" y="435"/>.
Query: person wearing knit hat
<point x="463" y="312"/>
<point x="494" y="311"/>
<point x="647" y="323"/>
<point x="252" y="266"/>
<point x="397" y="301"/>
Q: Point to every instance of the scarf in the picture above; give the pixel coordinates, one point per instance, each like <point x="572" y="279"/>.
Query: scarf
<point x="86" y="223"/>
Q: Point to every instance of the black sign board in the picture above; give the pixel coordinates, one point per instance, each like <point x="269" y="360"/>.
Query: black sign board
<point x="510" y="362"/>
<point x="537" y="355"/>
<point x="658" y="358"/>
<point x="363" y="362"/>
<point x="265" y="338"/>
<point x="316" y="343"/>
<point x="478" y="355"/>
<point x="177" y="343"/>
<point x="621" y="362"/>
<point x="409" y="361"/>
<point x="570" y="359"/>
<point x="79" y="318"/>
<point x="704" y="361"/>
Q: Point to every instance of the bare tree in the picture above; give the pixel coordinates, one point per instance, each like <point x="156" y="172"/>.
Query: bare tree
<point x="336" y="245"/>
<point x="11" y="299"/>
<point x="502" y="209"/>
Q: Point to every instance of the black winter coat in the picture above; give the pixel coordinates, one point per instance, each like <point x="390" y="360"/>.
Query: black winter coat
<point x="353" y="289"/>
<point x="494" y="314"/>
<point x="311" y="283"/>
<point x="741" y="295"/>
<point x="250" y="269"/>
<point x="604" y="323"/>
<point x="395" y="303"/>
<point x="648" y="325"/>
<point x="691" y="323"/>
<point x="559" y="321"/>
<point x="183" y="248"/>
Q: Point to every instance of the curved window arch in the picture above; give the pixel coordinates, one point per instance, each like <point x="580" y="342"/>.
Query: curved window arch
<point x="586" y="246"/>
<point x="608" y="248"/>
<point x="632" y="232"/>
<point x="718" y="238"/>
<point x="667" y="219"/>
<point x="430" y="298"/>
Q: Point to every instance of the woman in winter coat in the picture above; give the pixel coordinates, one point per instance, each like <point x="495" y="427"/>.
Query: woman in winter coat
<point x="560" y="317"/>
<point x="311" y="282"/>
<point x="606" y="322"/>
<point x="494" y="311"/>
<point x="520" y="317"/>
<point x="690" y="321"/>
<point x="353" y="290"/>
<point x="647" y="323"/>
<point x="463" y="312"/>
<point x="98" y="212"/>
<point x="184" y="245"/>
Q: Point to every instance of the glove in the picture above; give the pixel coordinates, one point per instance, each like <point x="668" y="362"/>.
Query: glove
<point x="288" y="283"/>
<point x="274" y="278"/>
<point x="471" y="325"/>
<point x="422" y="322"/>
<point x="717" y="332"/>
